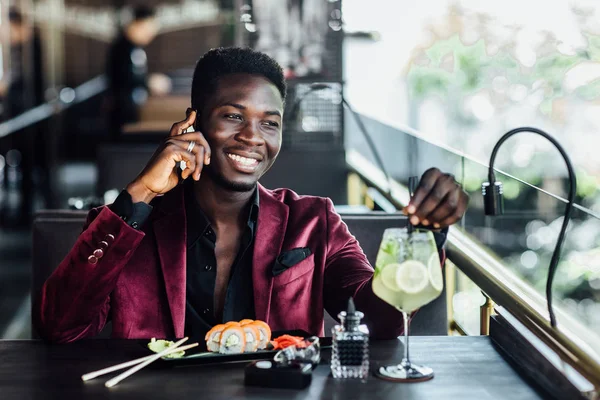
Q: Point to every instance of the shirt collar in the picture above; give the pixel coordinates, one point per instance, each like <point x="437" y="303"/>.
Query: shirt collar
<point x="198" y="223"/>
<point x="253" y="216"/>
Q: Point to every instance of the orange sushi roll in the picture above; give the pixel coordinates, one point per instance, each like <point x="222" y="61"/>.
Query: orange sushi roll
<point x="233" y="340"/>
<point x="265" y="333"/>
<point x="232" y="323"/>
<point x="252" y="338"/>
<point x="213" y="337"/>
<point x="246" y="322"/>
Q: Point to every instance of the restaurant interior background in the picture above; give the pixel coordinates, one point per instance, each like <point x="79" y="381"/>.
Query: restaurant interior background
<point x="437" y="83"/>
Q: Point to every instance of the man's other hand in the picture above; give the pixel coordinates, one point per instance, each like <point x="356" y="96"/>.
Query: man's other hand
<point x="438" y="202"/>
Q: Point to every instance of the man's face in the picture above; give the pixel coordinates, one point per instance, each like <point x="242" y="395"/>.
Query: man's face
<point x="19" y="33"/>
<point x="242" y="123"/>
<point x="148" y="28"/>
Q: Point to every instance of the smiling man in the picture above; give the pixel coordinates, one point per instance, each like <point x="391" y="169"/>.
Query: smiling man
<point x="182" y="250"/>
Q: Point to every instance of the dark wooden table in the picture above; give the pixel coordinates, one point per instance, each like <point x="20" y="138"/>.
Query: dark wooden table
<point x="465" y="368"/>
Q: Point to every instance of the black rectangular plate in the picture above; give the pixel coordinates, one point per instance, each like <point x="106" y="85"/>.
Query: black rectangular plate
<point x="198" y="356"/>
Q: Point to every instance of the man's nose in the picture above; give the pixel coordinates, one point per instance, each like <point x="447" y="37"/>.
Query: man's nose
<point x="251" y="134"/>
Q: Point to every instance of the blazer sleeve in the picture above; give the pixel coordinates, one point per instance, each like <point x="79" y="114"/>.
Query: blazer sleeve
<point x="74" y="302"/>
<point x="349" y="274"/>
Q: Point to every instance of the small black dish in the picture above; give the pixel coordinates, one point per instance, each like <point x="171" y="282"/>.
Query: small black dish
<point x="199" y="355"/>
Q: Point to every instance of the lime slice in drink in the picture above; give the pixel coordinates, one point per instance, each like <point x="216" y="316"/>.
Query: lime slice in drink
<point x="388" y="276"/>
<point x="435" y="272"/>
<point x="411" y="276"/>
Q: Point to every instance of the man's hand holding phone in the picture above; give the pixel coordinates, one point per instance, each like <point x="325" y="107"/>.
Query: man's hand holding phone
<point x="161" y="173"/>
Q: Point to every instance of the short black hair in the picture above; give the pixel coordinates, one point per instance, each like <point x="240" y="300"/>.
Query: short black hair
<point x="142" y="12"/>
<point x="232" y="60"/>
<point x="15" y="16"/>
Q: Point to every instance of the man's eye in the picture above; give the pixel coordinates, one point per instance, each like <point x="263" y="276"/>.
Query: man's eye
<point x="233" y="116"/>
<point x="272" y="124"/>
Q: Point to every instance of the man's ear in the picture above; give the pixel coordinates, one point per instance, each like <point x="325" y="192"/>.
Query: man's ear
<point x="198" y="121"/>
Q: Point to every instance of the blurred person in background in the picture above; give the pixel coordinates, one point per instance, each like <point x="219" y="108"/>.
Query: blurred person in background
<point x="127" y="70"/>
<point x="21" y="89"/>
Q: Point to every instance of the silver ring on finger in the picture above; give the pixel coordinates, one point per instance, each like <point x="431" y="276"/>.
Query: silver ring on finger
<point x="191" y="146"/>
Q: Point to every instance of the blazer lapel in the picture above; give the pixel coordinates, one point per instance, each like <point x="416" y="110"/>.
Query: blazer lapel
<point x="170" y="232"/>
<point x="272" y="222"/>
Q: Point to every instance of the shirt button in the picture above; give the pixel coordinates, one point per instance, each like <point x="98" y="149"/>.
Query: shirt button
<point x="103" y="245"/>
<point x="93" y="259"/>
<point x="109" y="238"/>
<point x="134" y="225"/>
<point x="98" y="253"/>
<point x="205" y="311"/>
<point x="207" y="267"/>
<point x="208" y="232"/>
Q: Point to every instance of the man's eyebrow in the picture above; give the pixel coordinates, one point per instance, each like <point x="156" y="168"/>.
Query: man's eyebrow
<point x="235" y="105"/>
<point x="276" y="113"/>
<point x="241" y="107"/>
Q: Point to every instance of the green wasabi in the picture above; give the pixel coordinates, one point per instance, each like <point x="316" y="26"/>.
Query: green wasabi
<point x="159" y="345"/>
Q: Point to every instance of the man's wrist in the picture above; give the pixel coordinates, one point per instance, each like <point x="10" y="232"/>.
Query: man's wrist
<point x="139" y="193"/>
<point x="134" y="214"/>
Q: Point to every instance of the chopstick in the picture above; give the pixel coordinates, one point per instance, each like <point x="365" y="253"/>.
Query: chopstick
<point x="167" y="351"/>
<point x="104" y="371"/>
<point x="112" y="382"/>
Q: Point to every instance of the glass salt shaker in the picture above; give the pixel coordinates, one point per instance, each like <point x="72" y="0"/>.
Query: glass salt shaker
<point x="350" y="355"/>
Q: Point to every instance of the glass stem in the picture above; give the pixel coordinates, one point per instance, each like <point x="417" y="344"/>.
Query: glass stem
<point x="406" y="360"/>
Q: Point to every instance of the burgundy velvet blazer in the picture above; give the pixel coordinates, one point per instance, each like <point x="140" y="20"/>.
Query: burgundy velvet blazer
<point x="139" y="282"/>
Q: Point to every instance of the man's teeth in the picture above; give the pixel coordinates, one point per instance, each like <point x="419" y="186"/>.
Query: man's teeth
<point x="243" y="160"/>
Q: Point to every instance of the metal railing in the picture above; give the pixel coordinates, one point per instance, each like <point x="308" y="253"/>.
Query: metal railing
<point x="68" y="97"/>
<point x="575" y="344"/>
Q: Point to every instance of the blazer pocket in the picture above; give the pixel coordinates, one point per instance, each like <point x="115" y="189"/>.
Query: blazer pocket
<point x="289" y="258"/>
<point x="288" y="268"/>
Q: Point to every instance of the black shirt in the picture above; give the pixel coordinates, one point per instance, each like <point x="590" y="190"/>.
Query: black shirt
<point x="202" y="270"/>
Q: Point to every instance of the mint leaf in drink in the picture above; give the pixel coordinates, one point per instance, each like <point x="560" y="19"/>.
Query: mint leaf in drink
<point x="390" y="247"/>
<point x="388" y="253"/>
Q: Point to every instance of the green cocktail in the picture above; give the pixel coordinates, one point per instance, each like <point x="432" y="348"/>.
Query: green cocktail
<point x="408" y="275"/>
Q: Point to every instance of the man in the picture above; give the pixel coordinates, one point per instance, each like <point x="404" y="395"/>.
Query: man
<point x="172" y="259"/>
<point x="127" y="70"/>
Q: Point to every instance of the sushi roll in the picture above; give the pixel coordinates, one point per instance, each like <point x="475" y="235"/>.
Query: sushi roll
<point x="246" y="322"/>
<point x="232" y="323"/>
<point x="213" y="338"/>
<point x="233" y="340"/>
<point x="265" y="333"/>
<point x="252" y="338"/>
